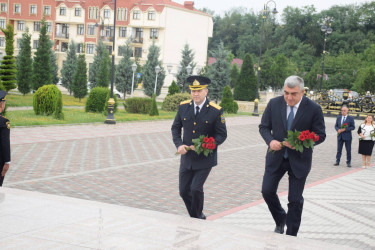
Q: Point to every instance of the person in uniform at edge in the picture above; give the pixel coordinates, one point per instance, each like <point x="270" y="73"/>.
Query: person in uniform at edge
<point x="197" y="117"/>
<point x="293" y="111"/>
<point x="4" y="139"/>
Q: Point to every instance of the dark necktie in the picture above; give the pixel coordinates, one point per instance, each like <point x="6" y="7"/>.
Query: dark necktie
<point x="343" y="120"/>
<point x="290" y="121"/>
<point x="197" y="111"/>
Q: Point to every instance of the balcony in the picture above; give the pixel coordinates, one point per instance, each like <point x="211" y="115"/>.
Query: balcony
<point x="137" y="40"/>
<point x="107" y="38"/>
<point x="62" y="35"/>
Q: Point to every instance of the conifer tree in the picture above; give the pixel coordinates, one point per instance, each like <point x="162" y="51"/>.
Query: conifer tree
<point x="103" y="77"/>
<point x="173" y="89"/>
<point x="69" y="67"/>
<point x="42" y="61"/>
<point x="24" y="64"/>
<point x="79" y="85"/>
<point x="149" y="74"/>
<point x="100" y="50"/>
<point x="8" y="67"/>
<point x="227" y="102"/>
<point x="245" y="90"/>
<point x="124" y="73"/>
<point x="187" y="59"/>
<point x="54" y="67"/>
<point x="219" y="73"/>
<point x="234" y="75"/>
<point x="154" y="107"/>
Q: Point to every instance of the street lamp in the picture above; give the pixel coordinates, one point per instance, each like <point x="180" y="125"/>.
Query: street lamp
<point x="326" y="28"/>
<point x="188" y="69"/>
<point x="198" y="69"/>
<point x="134" y="68"/>
<point x="157" y="70"/>
<point x="169" y="68"/>
<point x="264" y="16"/>
<point x="111" y="102"/>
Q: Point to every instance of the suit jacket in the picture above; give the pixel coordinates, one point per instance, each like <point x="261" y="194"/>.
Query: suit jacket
<point x="274" y="127"/>
<point x="347" y="134"/>
<point x="209" y="122"/>
<point x="4" y="141"/>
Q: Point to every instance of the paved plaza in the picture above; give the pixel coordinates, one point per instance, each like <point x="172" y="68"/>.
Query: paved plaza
<point x="134" y="165"/>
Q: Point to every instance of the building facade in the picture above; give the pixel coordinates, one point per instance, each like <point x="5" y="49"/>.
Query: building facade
<point x="169" y="24"/>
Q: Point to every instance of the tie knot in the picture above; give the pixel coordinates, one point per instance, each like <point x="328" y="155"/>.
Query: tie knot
<point x="197" y="108"/>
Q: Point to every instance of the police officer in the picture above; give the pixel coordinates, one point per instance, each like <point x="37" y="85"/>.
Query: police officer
<point x="198" y="117"/>
<point x="4" y="139"/>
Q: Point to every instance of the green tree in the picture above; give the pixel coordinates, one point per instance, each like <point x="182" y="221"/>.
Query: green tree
<point x="42" y="60"/>
<point x="154" y="107"/>
<point x="245" y="90"/>
<point x="219" y="73"/>
<point x="365" y="80"/>
<point x="8" y="67"/>
<point x="69" y="67"/>
<point x="24" y="64"/>
<point x="173" y="89"/>
<point x="103" y="77"/>
<point x="79" y="84"/>
<point x="124" y="73"/>
<point x="227" y="102"/>
<point x="187" y="60"/>
<point x="54" y="67"/>
<point x="100" y="52"/>
<point x="149" y="74"/>
<point x="279" y="71"/>
<point x="234" y="74"/>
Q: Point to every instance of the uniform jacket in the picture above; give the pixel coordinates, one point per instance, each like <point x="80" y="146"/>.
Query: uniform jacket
<point x="4" y="141"/>
<point x="273" y="126"/>
<point x="209" y="122"/>
<point x="347" y="134"/>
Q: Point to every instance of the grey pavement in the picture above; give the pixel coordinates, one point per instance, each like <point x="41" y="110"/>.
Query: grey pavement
<point x="133" y="165"/>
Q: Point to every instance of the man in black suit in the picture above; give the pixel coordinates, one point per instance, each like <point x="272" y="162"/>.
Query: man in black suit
<point x="4" y="139"/>
<point x="293" y="111"/>
<point x="197" y="117"/>
<point x="344" y="135"/>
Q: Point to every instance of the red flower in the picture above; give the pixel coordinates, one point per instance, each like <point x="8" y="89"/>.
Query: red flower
<point x="204" y="145"/>
<point x="301" y="137"/>
<point x="206" y="139"/>
<point x="345" y="124"/>
<point x="212" y="140"/>
<point x="316" y="138"/>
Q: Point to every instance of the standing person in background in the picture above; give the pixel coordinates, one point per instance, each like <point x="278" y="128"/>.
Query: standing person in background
<point x="344" y="127"/>
<point x="366" y="132"/>
<point x="4" y="139"/>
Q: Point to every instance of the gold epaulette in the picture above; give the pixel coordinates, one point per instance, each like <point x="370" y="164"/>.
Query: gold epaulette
<point x="185" y="102"/>
<point x="215" y="105"/>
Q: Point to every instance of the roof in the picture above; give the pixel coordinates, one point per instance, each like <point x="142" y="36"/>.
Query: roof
<point x="237" y="61"/>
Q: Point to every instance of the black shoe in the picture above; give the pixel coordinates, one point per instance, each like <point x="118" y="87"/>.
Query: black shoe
<point x="202" y="217"/>
<point x="336" y="164"/>
<point x="349" y="166"/>
<point x="280" y="228"/>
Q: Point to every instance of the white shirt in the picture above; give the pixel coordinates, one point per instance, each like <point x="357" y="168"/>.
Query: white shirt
<point x="200" y="106"/>
<point x="344" y="117"/>
<point x="295" y="109"/>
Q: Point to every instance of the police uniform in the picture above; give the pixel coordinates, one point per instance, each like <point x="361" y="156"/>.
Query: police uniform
<point x="194" y="168"/>
<point x="4" y="139"/>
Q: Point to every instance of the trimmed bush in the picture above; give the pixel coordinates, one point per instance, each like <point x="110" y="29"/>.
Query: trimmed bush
<point x="173" y="89"/>
<point x="172" y="102"/>
<point x="227" y="102"/>
<point x="138" y="105"/>
<point x="97" y="101"/>
<point x="47" y="100"/>
<point x="154" y="107"/>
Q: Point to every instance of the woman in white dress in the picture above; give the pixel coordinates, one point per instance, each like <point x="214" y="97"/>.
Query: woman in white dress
<point x="366" y="140"/>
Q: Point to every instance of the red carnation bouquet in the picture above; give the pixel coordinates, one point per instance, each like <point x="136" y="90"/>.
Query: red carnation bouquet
<point x="343" y="126"/>
<point x="203" y="144"/>
<point x="301" y="140"/>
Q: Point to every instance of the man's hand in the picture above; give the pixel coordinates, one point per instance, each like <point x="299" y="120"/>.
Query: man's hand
<point x="5" y="169"/>
<point x="181" y="149"/>
<point x="287" y="144"/>
<point x="275" y="145"/>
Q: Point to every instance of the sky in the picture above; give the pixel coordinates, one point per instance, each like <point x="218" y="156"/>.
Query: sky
<point x="221" y="6"/>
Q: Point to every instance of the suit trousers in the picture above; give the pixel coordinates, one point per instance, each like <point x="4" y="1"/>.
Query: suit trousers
<point x="348" y="147"/>
<point x="1" y="177"/>
<point x="191" y="189"/>
<point x="270" y="184"/>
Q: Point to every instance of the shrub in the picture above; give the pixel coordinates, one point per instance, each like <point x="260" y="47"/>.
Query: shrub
<point x="47" y="100"/>
<point x="97" y="100"/>
<point x="154" y="107"/>
<point x="227" y="102"/>
<point x="138" y="105"/>
<point x="172" y="102"/>
<point x="173" y="89"/>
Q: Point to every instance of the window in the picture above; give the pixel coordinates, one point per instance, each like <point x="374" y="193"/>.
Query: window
<point x="21" y="25"/>
<point x="151" y="15"/>
<point x="64" y="47"/>
<point x="122" y="32"/>
<point x="77" y="12"/>
<point x="119" y="13"/>
<point x="107" y="31"/>
<point x="80" y="48"/>
<point x="90" y="48"/>
<point x="97" y="13"/>
<point x="4" y="7"/>
<point x="119" y="49"/>
<point x="122" y="14"/>
<point x="2" y="23"/>
<point x="62" y="11"/>
<point x="137" y="52"/>
<point x="17" y="8"/>
<point x="33" y="9"/>
<point x="109" y="48"/>
<point x="2" y="41"/>
<point x="80" y="29"/>
<point x="90" y="13"/>
<point x="47" y="10"/>
<point x="139" y="33"/>
<point x="36" y="26"/>
<point x="91" y="30"/>
<point x="35" y="44"/>
<point x="49" y="26"/>
<point x="136" y="14"/>
<point x="107" y="14"/>
<point x="154" y="33"/>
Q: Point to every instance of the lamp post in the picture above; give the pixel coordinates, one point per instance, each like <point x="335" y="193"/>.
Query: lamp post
<point x="188" y="69"/>
<point x="134" y="68"/>
<point x="198" y="69"/>
<point x="157" y="70"/>
<point x="111" y="102"/>
<point x="326" y="28"/>
<point x="264" y="16"/>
